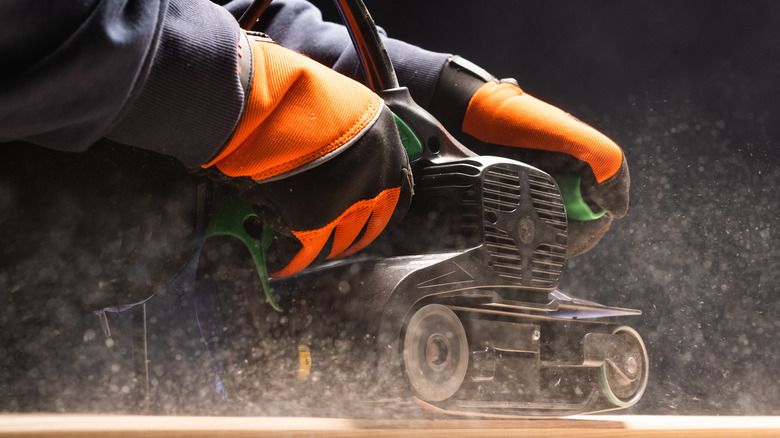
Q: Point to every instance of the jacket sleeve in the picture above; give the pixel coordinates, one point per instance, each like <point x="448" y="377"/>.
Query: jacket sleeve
<point x="298" y="25"/>
<point x="156" y="74"/>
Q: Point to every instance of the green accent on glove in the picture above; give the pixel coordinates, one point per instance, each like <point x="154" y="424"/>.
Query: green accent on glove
<point x="410" y="141"/>
<point x="229" y="221"/>
<point x="576" y="207"/>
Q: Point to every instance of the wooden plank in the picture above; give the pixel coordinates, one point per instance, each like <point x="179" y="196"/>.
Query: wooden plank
<point x="53" y="425"/>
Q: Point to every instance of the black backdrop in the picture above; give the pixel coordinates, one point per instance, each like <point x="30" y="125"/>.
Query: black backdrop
<point x="690" y="90"/>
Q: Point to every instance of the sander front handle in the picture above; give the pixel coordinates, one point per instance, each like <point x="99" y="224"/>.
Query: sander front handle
<point x="379" y="71"/>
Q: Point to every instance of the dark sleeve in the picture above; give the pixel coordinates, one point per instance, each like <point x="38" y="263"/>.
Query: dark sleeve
<point x="298" y="25"/>
<point x="157" y="74"/>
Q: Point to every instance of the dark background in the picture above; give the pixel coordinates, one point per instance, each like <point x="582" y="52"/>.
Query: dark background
<point x="690" y="90"/>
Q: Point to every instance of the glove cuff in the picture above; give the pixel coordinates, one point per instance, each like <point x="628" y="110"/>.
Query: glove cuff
<point x="246" y="60"/>
<point x="245" y="65"/>
<point x="457" y="83"/>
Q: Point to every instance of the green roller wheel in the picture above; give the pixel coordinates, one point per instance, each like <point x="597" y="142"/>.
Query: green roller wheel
<point x="623" y="379"/>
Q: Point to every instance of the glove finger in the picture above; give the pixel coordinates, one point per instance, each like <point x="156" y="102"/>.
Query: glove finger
<point x="584" y="235"/>
<point x="349" y="226"/>
<point x="612" y="194"/>
<point x="501" y="113"/>
<point x="371" y="214"/>
<point x="384" y="207"/>
<point x="313" y="241"/>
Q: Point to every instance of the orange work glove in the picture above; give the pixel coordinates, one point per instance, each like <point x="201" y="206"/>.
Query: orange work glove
<point x="499" y="119"/>
<point x="317" y="154"/>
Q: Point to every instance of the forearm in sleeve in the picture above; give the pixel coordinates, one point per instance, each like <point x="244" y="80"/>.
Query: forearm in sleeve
<point x="156" y="74"/>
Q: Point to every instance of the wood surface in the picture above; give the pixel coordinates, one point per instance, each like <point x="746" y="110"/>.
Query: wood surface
<point x="54" y="425"/>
